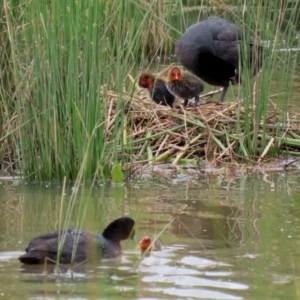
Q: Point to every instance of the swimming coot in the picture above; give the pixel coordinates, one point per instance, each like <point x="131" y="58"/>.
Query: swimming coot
<point x="145" y="243"/>
<point x="183" y="84"/>
<point x="209" y="49"/>
<point x="105" y="245"/>
<point x="157" y="89"/>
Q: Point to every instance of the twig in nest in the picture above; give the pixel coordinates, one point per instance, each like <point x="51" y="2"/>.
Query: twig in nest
<point x="266" y="150"/>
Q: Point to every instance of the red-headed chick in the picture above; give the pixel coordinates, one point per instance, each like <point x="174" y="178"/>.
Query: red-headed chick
<point x="145" y="243"/>
<point x="157" y="89"/>
<point x="183" y="84"/>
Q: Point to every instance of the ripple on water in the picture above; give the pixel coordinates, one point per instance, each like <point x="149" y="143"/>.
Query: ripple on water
<point x="196" y="293"/>
<point x="201" y="263"/>
<point x="190" y="281"/>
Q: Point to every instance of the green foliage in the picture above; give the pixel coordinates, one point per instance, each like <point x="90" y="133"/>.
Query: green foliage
<point x="60" y="59"/>
<point x="272" y="26"/>
<point x="117" y="173"/>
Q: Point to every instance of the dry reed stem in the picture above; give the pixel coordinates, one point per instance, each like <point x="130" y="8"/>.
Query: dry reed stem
<point x="271" y="142"/>
<point x="205" y="132"/>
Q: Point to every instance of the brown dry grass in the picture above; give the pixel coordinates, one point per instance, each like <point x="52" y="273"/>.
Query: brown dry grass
<point x="159" y="134"/>
<point x="207" y="135"/>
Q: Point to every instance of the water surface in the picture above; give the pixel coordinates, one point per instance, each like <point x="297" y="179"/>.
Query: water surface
<point x="223" y="238"/>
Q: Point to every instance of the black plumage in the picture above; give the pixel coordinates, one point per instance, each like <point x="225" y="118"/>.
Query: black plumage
<point x="87" y="245"/>
<point x="157" y="89"/>
<point x="210" y="49"/>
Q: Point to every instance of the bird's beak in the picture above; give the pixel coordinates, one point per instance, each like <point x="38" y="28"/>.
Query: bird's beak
<point x="132" y="236"/>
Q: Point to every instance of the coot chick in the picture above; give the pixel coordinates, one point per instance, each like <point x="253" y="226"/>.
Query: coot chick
<point x="146" y="242"/>
<point x="157" y="89"/>
<point x="105" y="245"/>
<point x="183" y="84"/>
<point x="210" y="49"/>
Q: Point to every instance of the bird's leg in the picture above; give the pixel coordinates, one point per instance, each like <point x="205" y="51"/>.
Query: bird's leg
<point x="222" y="96"/>
<point x="186" y="101"/>
<point x="196" y="101"/>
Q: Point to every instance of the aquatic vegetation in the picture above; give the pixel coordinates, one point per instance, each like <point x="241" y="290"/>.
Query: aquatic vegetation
<point x="68" y="109"/>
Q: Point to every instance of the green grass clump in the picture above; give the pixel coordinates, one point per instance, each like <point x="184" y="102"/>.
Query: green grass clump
<point x="61" y="59"/>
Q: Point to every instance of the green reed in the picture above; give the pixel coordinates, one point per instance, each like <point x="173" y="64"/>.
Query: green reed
<point x="273" y="26"/>
<point x="62" y="58"/>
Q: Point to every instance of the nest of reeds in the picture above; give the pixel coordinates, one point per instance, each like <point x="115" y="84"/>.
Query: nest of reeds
<point x="213" y="132"/>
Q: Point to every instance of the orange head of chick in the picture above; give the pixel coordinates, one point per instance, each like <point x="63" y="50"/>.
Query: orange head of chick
<point x="145" y="242"/>
<point x="146" y="80"/>
<point x="175" y="74"/>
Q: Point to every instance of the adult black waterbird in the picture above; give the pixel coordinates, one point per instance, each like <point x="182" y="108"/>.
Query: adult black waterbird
<point x="106" y="245"/>
<point x="210" y="49"/>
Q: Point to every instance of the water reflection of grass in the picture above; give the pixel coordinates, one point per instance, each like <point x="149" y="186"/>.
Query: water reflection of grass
<point x="248" y="225"/>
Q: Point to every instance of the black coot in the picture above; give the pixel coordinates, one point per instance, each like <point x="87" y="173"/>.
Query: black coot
<point x="105" y="245"/>
<point x="209" y="49"/>
<point x="157" y="89"/>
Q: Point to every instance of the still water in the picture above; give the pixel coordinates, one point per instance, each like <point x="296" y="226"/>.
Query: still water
<point x="223" y="238"/>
